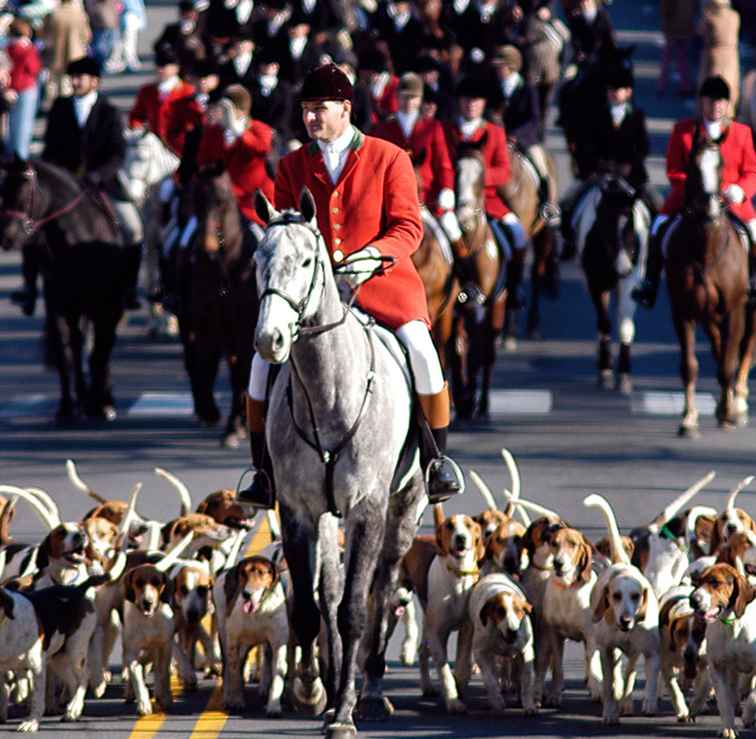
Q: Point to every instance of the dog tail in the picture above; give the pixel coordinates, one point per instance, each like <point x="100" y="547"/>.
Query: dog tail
<point x="438" y="515"/>
<point x="677" y="504"/>
<point x="538" y="509"/>
<point x="183" y="492"/>
<point x="744" y="483"/>
<point x="514" y="472"/>
<point x="79" y="484"/>
<point x="484" y="490"/>
<point x="619" y="555"/>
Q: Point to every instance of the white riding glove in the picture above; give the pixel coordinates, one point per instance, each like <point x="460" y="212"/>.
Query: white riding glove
<point x="360" y="266"/>
<point x="734" y="194"/>
<point x="450" y="224"/>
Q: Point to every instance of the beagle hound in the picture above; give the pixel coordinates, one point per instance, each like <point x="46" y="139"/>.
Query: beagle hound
<point x="683" y="651"/>
<point x="505" y="549"/>
<point x="499" y="612"/>
<point x="724" y="600"/>
<point x="566" y="613"/>
<point x="223" y="507"/>
<point x="251" y="610"/>
<point x="730" y="521"/>
<point x="452" y="574"/>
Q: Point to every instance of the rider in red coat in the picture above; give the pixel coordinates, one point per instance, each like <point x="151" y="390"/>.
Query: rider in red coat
<point x="367" y="208"/>
<point x="423" y="139"/>
<point x="738" y="178"/>
<point x="243" y="145"/>
<point x="154" y="100"/>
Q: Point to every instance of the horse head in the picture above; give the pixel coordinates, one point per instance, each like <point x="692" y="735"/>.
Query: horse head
<point x="147" y="162"/>
<point x="469" y="178"/>
<point x="216" y="211"/>
<point x="704" y="181"/>
<point x="291" y="275"/>
<point x="19" y="189"/>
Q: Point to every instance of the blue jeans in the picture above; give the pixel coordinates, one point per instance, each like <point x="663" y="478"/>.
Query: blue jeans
<point x="21" y="121"/>
<point x="103" y="40"/>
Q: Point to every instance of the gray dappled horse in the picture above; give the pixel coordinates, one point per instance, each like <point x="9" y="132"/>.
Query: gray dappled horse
<point x="338" y="415"/>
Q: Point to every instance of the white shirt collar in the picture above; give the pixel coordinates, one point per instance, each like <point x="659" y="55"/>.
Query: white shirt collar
<point x="407" y="121"/>
<point x="83" y="106"/>
<point x="713" y="128"/>
<point x="242" y="62"/>
<point x="510" y="83"/>
<point x="468" y="128"/>
<point x="378" y="85"/>
<point x="618" y="112"/>
<point x="167" y="86"/>
<point x="335" y="153"/>
<point x="244" y="10"/>
<point x="297" y="45"/>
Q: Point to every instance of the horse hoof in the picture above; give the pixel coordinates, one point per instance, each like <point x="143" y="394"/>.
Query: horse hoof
<point x="510" y="344"/>
<point x="727" y="424"/>
<point x="328" y="718"/>
<point x="374" y="708"/>
<point x="606" y="379"/>
<point x="624" y="384"/>
<point x="688" y="432"/>
<point x="312" y="702"/>
<point x="341" y="731"/>
<point x="230" y="441"/>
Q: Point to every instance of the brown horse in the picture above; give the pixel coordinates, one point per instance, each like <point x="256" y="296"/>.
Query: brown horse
<point x="707" y="277"/>
<point x="479" y="314"/>
<point x="435" y="268"/>
<point x="523" y="194"/>
<point x="218" y="302"/>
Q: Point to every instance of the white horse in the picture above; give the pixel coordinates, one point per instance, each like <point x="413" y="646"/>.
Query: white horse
<point x="338" y="416"/>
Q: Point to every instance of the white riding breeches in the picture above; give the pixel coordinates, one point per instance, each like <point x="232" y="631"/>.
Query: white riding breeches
<point x="423" y="358"/>
<point x="129" y="221"/>
<point x="752" y="229"/>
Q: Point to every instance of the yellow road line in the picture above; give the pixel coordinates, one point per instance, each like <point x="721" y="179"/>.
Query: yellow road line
<point x="147" y="727"/>
<point x="212" y="720"/>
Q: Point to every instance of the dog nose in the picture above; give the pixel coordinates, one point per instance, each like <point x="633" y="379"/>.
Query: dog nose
<point x="511" y="565"/>
<point x="78" y="539"/>
<point x="625" y="622"/>
<point x="558" y="565"/>
<point x="146" y="604"/>
<point x="511" y="636"/>
<point x="695" y="600"/>
<point x="731" y="528"/>
<point x="460" y="541"/>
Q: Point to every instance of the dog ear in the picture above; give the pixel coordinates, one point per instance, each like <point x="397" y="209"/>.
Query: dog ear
<point x="202" y="507"/>
<point x="43" y="554"/>
<point x="480" y="543"/>
<point x="129" y="591"/>
<point x="602" y="606"/>
<point x="6" y="604"/>
<point x="742" y="595"/>
<point x="509" y="510"/>
<point x="585" y="561"/>
<point x="443" y="550"/>
<point x="166" y="593"/>
<point x="641" y="614"/>
<point x="485" y="614"/>
<point x="716" y="539"/>
<point x="525" y="605"/>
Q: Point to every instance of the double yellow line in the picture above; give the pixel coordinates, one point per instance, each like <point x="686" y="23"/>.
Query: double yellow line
<point x="213" y="718"/>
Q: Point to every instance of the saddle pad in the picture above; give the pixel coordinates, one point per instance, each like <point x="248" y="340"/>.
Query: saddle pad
<point x="409" y="457"/>
<point x="585" y="216"/>
<point x="441" y="238"/>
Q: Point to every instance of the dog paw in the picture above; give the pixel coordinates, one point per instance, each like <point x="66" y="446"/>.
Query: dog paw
<point x="99" y="690"/>
<point x="728" y="734"/>
<point x="28" y="727"/>
<point x="455" y="705"/>
<point x="273" y="710"/>
<point x="650" y="708"/>
<point x="530" y="711"/>
<point x="144" y="708"/>
<point x="685" y="718"/>
<point x="429" y="691"/>
<point x="610" y="717"/>
<point x="408" y="656"/>
<point x="552" y="700"/>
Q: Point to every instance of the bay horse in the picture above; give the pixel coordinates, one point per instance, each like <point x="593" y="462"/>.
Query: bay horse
<point x="479" y="314"/>
<point x="612" y="229"/>
<point x="707" y="279"/>
<point x="218" y="305"/>
<point x="338" y="415"/>
<point x="84" y="272"/>
<point x="523" y="194"/>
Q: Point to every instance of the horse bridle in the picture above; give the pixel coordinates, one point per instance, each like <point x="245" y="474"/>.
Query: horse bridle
<point x="28" y="224"/>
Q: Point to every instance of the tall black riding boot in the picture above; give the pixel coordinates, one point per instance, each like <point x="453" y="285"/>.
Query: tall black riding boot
<point x="133" y="255"/>
<point x="261" y="492"/>
<point x="443" y="476"/>
<point x="646" y="292"/>
<point x="752" y="274"/>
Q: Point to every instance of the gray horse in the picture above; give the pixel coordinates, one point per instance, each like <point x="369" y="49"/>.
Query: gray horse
<point x="338" y="415"/>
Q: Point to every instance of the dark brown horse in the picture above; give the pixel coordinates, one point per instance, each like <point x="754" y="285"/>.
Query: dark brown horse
<point x="707" y="277"/>
<point x="84" y="271"/>
<point x="523" y="193"/>
<point x="218" y="306"/>
<point x="479" y="314"/>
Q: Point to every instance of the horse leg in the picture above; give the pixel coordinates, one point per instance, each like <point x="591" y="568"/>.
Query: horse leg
<point x="75" y="359"/>
<point x="727" y="368"/>
<point x="488" y="358"/>
<point x="59" y="342"/>
<point x="365" y="536"/>
<point x="204" y="360"/>
<point x="459" y="351"/>
<point x="101" y="403"/>
<point x="744" y="367"/>
<point x="600" y="300"/>
<point x="625" y="317"/>
<point x="686" y="334"/>
<point x="400" y="532"/>
<point x="307" y="691"/>
<point x="238" y="368"/>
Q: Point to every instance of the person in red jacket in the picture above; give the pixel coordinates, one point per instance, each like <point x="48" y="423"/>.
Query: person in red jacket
<point x="424" y="140"/>
<point x="367" y="207"/>
<point x="471" y="127"/>
<point x="23" y="90"/>
<point x="738" y="179"/>
<point x="154" y="99"/>
<point x="243" y="145"/>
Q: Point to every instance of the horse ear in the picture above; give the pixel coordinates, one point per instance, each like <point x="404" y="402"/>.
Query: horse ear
<point x="263" y="207"/>
<point x="307" y="204"/>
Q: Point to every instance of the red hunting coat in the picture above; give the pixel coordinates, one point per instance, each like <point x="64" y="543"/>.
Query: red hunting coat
<point x="183" y="115"/>
<point x="151" y="112"/>
<point x="436" y="172"/>
<point x="245" y="161"/>
<point x="495" y="160"/>
<point x="739" y="165"/>
<point x="373" y="203"/>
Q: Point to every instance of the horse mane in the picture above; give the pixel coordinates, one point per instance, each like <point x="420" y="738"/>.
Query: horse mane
<point x="58" y="176"/>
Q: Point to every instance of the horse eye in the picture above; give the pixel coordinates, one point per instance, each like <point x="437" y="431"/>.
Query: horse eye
<point x="307" y="262"/>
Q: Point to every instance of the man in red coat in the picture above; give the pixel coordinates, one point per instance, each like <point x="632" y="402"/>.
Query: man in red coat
<point x="423" y="139"/>
<point x="471" y="128"/>
<point x="366" y="197"/>
<point x="738" y="179"/>
<point x="243" y="145"/>
<point x="154" y="99"/>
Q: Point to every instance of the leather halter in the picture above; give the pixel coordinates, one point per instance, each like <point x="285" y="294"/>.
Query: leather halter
<point x="28" y="223"/>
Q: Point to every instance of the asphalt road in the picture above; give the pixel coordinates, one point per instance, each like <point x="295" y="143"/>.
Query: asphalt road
<point x="569" y="438"/>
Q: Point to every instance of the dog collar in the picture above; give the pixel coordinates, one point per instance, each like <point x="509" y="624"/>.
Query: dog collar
<point x="542" y="569"/>
<point x="667" y="534"/>
<point x="463" y="573"/>
<point x="727" y="621"/>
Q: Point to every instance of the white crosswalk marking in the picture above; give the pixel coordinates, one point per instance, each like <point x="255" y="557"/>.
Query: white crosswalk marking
<point x="162" y="405"/>
<point x="520" y="402"/>
<point x="31" y="404"/>
<point x="669" y="403"/>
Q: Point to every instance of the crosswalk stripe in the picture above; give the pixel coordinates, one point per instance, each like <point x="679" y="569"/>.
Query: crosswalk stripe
<point x="656" y="403"/>
<point x="162" y="404"/>
<point x="520" y="402"/>
<point x="30" y="404"/>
